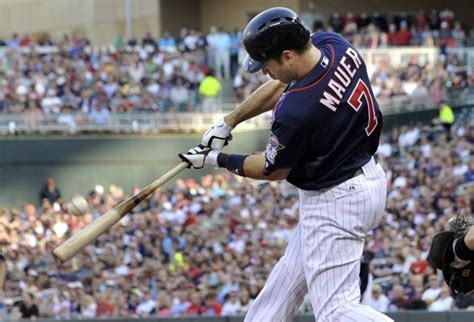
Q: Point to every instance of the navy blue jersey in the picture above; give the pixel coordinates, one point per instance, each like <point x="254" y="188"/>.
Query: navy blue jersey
<point x="327" y="124"/>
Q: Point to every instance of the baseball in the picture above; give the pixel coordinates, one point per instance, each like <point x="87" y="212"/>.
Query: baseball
<point x="77" y="206"/>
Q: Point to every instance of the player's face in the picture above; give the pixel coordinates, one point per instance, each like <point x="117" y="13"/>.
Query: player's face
<point x="280" y="70"/>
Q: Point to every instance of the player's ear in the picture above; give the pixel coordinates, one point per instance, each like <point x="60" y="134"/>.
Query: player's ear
<point x="287" y="56"/>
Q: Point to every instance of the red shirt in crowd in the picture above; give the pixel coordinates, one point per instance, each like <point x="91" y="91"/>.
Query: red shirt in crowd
<point x="104" y="309"/>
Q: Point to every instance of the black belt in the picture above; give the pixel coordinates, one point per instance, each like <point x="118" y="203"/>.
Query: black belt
<point x="358" y="172"/>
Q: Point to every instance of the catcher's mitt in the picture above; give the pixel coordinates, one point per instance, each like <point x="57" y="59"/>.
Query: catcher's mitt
<point x="459" y="275"/>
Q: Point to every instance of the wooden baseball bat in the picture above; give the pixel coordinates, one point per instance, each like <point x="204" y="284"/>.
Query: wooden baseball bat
<point x="91" y="232"/>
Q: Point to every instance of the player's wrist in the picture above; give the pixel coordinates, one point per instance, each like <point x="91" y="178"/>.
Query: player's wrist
<point x="222" y="159"/>
<point x="211" y="159"/>
<point x="229" y="122"/>
<point x="232" y="162"/>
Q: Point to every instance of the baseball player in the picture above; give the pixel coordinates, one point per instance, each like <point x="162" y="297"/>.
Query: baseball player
<point x="452" y="252"/>
<point x="325" y="129"/>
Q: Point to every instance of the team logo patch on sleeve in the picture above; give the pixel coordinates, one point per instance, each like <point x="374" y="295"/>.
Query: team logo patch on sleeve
<point x="272" y="149"/>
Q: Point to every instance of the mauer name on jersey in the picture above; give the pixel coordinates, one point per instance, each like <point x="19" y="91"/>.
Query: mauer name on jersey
<point x="342" y="78"/>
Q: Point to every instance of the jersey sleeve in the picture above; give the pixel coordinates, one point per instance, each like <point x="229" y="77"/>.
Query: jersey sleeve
<point x="285" y="148"/>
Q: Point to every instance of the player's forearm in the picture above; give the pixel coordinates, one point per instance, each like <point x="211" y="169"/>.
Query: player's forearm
<point x="260" y="101"/>
<point x="254" y="165"/>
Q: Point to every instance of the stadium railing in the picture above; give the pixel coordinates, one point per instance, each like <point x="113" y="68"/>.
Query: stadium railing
<point x="130" y="122"/>
<point x="147" y="122"/>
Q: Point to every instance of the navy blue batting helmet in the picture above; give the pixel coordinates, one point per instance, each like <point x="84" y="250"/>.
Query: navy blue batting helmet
<point x="269" y="33"/>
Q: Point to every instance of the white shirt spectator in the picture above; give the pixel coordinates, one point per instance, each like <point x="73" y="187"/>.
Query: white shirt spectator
<point x="146" y="306"/>
<point x="444" y="302"/>
<point x="231" y="306"/>
<point x="237" y="245"/>
<point x="426" y="150"/>
<point x="409" y="86"/>
<point x="68" y="120"/>
<point x="60" y="228"/>
<point x="430" y="294"/>
<point x="377" y="299"/>
<point x="441" y="304"/>
<point x="460" y="169"/>
<point x="51" y="103"/>
<point x="136" y="72"/>
<point x="89" y="311"/>
<point x="384" y="150"/>
<point x="409" y="138"/>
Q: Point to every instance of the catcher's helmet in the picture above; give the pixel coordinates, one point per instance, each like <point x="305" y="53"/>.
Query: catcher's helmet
<point x="271" y="32"/>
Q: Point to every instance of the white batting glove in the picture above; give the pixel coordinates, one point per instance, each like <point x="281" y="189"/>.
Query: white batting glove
<point x="199" y="157"/>
<point x="218" y="135"/>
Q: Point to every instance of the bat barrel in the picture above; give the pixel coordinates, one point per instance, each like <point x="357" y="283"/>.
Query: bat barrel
<point x="91" y="232"/>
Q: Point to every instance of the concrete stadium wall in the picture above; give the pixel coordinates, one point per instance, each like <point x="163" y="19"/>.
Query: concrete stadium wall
<point x="407" y="316"/>
<point x="79" y="163"/>
<point x="233" y="14"/>
<point x="100" y="20"/>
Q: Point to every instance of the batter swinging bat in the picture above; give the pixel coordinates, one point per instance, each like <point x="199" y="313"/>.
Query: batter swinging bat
<point x="79" y="241"/>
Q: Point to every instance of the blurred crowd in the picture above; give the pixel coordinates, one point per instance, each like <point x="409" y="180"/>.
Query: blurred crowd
<point x="206" y="247"/>
<point x="189" y="72"/>
<point x="377" y="30"/>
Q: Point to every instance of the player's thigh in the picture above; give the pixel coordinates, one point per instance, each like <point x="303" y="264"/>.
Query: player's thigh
<point x="284" y="289"/>
<point x="332" y="241"/>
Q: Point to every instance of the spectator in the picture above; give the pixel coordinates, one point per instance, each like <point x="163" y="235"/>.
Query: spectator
<point x="88" y="306"/>
<point x="231" y="305"/>
<point x="46" y="304"/>
<point x="416" y="302"/>
<point x="433" y="291"/>
<point x="67" y="119"/>
<point x="235" y="47"/>
<point x="50" y="191"/>
<point x="211" y="306"/>
<point x="212" y="39"/>
<point x="446" y="117"/>
<point x="403" y="36"/>
<point x="28" y="308"/>
<point x="148" y="40"/>
<point x="99" y="114"/>
<point x="180" y="303"/>
<point x="62" y="308"/>
<point x="222" y="46"/>
<point x="165" y="306"/>
<point x="458" y="35"/>
<point x="179" y="96"/>
<point x="105" y="308"/>
<point x="167" y="43"/>
<point x="210" y="89"/>
<point x="398" y="299"/>
<point x="147" y="305"/>
<point x="51" y="104"/>
<point x="444" y="302"/>
<point x="191" y="40"/>
<point x="378" y="300"/>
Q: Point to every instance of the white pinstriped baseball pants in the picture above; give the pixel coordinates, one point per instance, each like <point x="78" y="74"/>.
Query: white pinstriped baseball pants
<point x="323" y="256"/>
